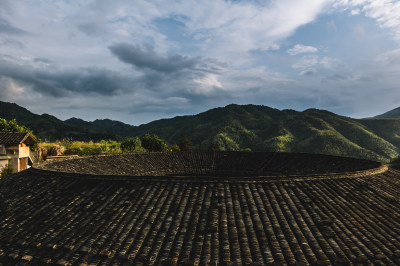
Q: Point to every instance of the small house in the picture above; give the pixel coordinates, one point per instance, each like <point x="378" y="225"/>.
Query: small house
<point x="14" y="150"/>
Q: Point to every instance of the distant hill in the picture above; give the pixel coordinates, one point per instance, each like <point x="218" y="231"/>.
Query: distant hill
<point x="47" y="127"/>
<point x="262" y="128"/>
<point x="395" y="113"/>
<point x="236" y="127"/>
<point x="105" y="126"/>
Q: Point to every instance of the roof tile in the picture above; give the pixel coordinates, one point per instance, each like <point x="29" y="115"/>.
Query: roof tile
<point x="67" y="218"/>
<point x="11" y="138"/>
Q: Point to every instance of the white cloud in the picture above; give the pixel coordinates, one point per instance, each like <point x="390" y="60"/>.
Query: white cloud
<point x="328" y="62"/>
<point x="385" y="12"/>
<point x="256" y="79"/>
<point x="332" y="25"/>
<point x="300" y="49"/>
<point x="306" y="62"/>
<point x="389" y="61"/>
<point x="246" y="26"/>
<point x="207" y="84"/>
<point x="307" y="72"/>
<point x="356" y="11"/>
<point x="311" y="64"/>
<point x="10" y="89"/>
<point x="359" y="31"/>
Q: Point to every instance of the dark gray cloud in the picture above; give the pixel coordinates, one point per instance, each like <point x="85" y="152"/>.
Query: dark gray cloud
<point x="11" y="43"/>
<point x="335" y="78"/>
<point x="85" y="80"/>
<point x="90" y="28"/>
<point x="58" y="83"/>
<point x="42" y="60"/>
<point x="174" y="73"/>
<point x="144" y="57"/>
<point x="6" y="27"/>
<point x="308" y="72"/>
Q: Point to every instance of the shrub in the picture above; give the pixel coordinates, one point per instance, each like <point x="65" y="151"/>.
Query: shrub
<point x="41" y="152"/>
<point x="73" y="151"/>
<point x="131" y="145"/>
<point x="185" y="144"/>
<point x="7" y="170"/>
<point x="66" y="142"/>
<point x="12" y="126"/>
<point x="56" y="150"/>
<point x="94" y="150"/>
<point x="152" y="142"/>
<point x="173" y="147"/>
<point x="214" y="145"/>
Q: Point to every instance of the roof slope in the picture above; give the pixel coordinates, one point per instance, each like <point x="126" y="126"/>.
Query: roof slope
<point x="227" y="163"/>
<point x="63" y="218"/>
<point x="11" y="138"/>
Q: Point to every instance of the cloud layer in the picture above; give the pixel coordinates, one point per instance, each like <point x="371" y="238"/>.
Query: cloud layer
<point x="154" y="59"/>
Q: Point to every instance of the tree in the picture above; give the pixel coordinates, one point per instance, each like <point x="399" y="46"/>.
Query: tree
<point x="7" y="170"/>
<point x="214" y="145"/>
<point x="131" y="145"/>
<point x="12" y="126"/>
<point x="185" y="144"/>
<point x="173" y="147"/>
<point x="152" y="142"/>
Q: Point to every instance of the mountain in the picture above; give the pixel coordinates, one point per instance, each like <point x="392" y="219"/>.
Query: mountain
<point x="395" y="113"/>
<point x="261" y="128"/>
<point x="236" y="127"/>
<point x="105" y="126"/>
<point x="47" y="127"/>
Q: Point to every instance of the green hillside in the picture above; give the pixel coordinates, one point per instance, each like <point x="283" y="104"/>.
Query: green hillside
<point x="262" y="128"/>
<point x="105" y="126"/>
<point x="237" y="127"/>
<point x="46" y="126"/>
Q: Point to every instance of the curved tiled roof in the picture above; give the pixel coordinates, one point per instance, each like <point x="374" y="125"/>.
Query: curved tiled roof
<point x="71" y="218"/>
<point x="11" y="138"/>
<point x="215" y="164"/>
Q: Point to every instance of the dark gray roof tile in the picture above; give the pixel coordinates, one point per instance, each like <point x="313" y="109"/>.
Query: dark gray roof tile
<point x="71" y="218"/>
<point x="12" y="138"/>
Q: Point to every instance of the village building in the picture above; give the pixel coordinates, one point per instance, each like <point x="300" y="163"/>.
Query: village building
<point x="14" y="150"/>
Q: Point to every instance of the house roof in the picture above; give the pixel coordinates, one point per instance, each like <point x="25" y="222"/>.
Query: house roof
<point x="10" y="138"/>
<point x="66" y="218"/>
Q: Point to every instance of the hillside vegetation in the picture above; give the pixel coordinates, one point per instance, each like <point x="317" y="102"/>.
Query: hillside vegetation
<point x="238" y="127"/>
<point x="47" y="127"/>
<point x="261" y="128"/>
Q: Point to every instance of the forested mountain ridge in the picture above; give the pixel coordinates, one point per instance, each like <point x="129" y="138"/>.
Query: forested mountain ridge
<point x="261" y="128"/>
<point x="236" y="127"/>
<point x="45" y="126"/>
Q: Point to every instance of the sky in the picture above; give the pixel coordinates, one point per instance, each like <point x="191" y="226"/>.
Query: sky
<point x="142" y="60"/>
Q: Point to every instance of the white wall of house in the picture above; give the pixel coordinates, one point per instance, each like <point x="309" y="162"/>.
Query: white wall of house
<point x="2" y="149"/>
<point x="23" y="151"/>
<point x="3" y="164"/>
<point x="17" y="156"/>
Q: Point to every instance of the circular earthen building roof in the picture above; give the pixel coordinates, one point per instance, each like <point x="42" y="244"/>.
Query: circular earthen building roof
<point x="228" y="208"/>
